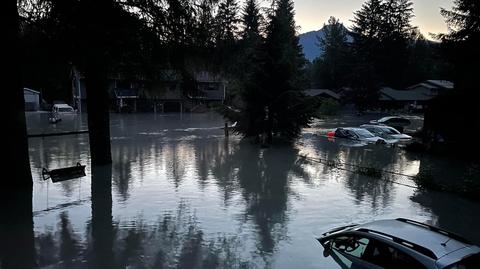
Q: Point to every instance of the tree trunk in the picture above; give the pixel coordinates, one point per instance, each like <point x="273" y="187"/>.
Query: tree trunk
<point x="98" y="113"/>
<point x="16" y="142"/>
<point x="16" y="223"/>
<point x="95" y="33"/>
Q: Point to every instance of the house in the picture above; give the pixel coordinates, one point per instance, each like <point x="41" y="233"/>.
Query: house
<point x="171" y="94"/>
<point x="414" y="97"/>
<point x="433" y="87"/>
<point x="164" y="94"/>
<point x="32" y="99"/>
<point x="322" y="93"/>
<point x="126" y="99"/>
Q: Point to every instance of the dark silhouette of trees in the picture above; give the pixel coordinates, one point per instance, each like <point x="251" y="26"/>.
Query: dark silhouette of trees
<point x="460" y="46"/>
<point x="16" y="226"/>
<point x="272" y="76"/>
<point x="331" y="69"/>
<point x="287" y="110"/>
<point x="17" y="144"/>
<point x="249" y="73"/>
<point x="381" y="31"/>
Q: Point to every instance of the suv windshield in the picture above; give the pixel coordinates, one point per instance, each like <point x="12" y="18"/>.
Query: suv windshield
<point x="363" y="133"/>
<point x="390" y="131"/>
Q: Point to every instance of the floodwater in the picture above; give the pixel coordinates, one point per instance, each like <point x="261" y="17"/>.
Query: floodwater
<point x="184" y="196"/>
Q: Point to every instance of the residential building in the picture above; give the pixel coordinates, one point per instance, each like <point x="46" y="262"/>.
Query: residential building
<point x="32" y="99"/>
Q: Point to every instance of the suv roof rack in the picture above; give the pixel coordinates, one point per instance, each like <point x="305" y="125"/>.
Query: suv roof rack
<point x="423" y="250"/>
<point x="338" y="229"/>
<point x="436" y="229"/>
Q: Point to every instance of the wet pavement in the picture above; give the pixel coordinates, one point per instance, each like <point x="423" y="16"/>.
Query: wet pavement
<point x="183" y="196"/>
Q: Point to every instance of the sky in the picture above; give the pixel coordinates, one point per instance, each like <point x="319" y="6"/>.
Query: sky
<point x="312" y="14"/>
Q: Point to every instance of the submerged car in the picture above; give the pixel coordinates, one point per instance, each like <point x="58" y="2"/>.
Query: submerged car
<point x="399" y="243"/>
<point x="398" y="123"/>
<point x="358" y="134"/>
<point x="386" y="132"/>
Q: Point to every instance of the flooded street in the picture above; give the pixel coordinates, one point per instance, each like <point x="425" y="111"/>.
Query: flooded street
<point x="184" y="196"/>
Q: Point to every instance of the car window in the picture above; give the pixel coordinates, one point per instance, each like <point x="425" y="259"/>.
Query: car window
<point x="340" y="133"/>
<point x="351" y="134"/>
<point x="65" y="109"/>
<point x="386" y="256"/>
<point x="390" y="131"/>
<point x="351" y="245"/>
<point x="364" y="133"/>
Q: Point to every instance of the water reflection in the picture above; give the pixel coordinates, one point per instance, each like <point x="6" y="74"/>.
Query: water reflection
<point x="180" y="195"/>
<point x="451" y="212"/>
<point x="378" y="191"/>
<point x="176" y="240"/>
<point x="263" y="177"/>
<point x="101" y="223"/>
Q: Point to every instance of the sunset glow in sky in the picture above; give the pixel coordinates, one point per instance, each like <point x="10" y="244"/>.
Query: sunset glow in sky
<point x="312" y="14"/>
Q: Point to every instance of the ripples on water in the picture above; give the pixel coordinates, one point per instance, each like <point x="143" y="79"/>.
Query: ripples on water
<point x="183" y="196"/>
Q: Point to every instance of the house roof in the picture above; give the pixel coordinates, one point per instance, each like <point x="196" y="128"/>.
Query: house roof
<point x="318" y="92"/>
<point x="30" y="90"/>
<point x="434" y="84"/>
<point x="442" y="83"/>
<point x="388" y="94"/>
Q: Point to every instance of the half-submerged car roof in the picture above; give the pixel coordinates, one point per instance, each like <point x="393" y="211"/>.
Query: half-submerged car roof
<point x="420" y="236"/>
<point x="62" y="105"/>
<point x="445" y="249"/>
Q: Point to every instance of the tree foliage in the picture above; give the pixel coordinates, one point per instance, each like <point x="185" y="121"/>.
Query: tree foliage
<point x="460" y="46"/>
<point x="287" y="109"/>
<point x="331" y="68"/>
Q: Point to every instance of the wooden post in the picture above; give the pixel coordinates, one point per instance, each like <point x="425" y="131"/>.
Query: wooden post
<point x="226" y="129"/>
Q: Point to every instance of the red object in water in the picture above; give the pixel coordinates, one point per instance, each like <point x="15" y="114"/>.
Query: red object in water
<point x="331" y="134"/>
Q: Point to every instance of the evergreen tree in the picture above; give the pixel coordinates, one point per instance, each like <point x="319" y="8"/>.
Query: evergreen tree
<point x="331" y="67"/>
<point x="286" y="109"/>
<point x="205" y="30"/>
<point x="381" y="31"/>
<point x="249" y="74"/>
<point x="226" y="32"/>
<point x="463" y="40"/>
<point x="459" y="107"/>
<point x="227" y="21"/>
<point x="251" y="21"/>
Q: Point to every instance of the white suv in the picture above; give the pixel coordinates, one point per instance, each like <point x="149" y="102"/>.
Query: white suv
<point x="399" y="243"/>
<point x="62" y="108"/>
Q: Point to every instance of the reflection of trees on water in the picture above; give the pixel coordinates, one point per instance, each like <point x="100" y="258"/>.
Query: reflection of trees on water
<point x="174" y="241"/>
<point x="451" y="212"/>
<point x="378" y="191"/>
<point x="263" y="178"/>
<point x="132" y="157"/>
<point x="58" y="152"/>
